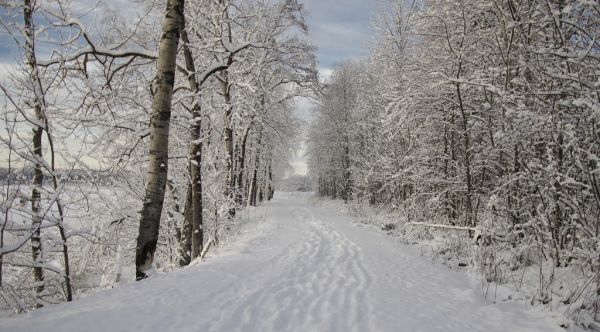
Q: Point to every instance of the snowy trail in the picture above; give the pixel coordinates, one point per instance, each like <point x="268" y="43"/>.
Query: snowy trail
<point x="305" y="268"/>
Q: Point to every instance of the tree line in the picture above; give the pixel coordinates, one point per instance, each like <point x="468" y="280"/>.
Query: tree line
<point x="185" y="109"/>
<point x="476" y="114"/>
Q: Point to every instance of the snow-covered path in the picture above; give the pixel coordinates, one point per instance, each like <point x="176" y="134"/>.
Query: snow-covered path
<point x="305" y="268"/>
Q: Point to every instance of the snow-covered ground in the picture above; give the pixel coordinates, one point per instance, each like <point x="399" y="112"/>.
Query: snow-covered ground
<point x="305" y="267"/>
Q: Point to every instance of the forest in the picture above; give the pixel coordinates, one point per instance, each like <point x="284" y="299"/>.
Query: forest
<point x="478" y="117"/>
<point x="138" y="135"/>
<point x="135" y="142"/>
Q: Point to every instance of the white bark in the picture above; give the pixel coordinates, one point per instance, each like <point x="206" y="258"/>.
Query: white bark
<point x="159" y="138"/>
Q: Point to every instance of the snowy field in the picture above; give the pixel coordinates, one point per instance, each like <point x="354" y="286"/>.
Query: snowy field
<point x="304" y="267"/>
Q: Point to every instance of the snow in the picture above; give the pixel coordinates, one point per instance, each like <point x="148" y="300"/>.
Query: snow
<point x="304" y="267"/>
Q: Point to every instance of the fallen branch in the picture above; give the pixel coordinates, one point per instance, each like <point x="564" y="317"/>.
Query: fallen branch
<point x="206" y="247"/>
<point x="463" y="228"/>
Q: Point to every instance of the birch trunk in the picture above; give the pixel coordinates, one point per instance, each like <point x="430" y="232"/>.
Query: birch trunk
<point x="156" y="177"/>
<point x="38" y="130"/>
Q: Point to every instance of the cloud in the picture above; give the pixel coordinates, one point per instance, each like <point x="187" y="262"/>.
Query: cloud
<point x="341" y="29"/>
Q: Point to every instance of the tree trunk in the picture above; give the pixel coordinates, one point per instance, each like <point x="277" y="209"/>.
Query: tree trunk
<point x="271" y="189"/>
<point x="185" y="242"/>
<point x="38" y="176"/>
<point x="156" y="178"/>
<point x="347" y="193"/>
<point x="467" y="146"/>
<point x="36" y="243"/>
<point x="228" y="136"/>
<point x="195" y="166"/>
<point x="61" y="215"/>
<point x="241" y="167"/>
<point x="197" y="208"/>
<point x="254" y="185"/>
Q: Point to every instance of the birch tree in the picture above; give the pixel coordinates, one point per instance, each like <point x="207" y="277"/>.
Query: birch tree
<point x="159" y="138"/>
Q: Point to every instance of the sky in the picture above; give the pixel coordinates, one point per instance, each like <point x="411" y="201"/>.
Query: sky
<point x="341" y="30"/>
